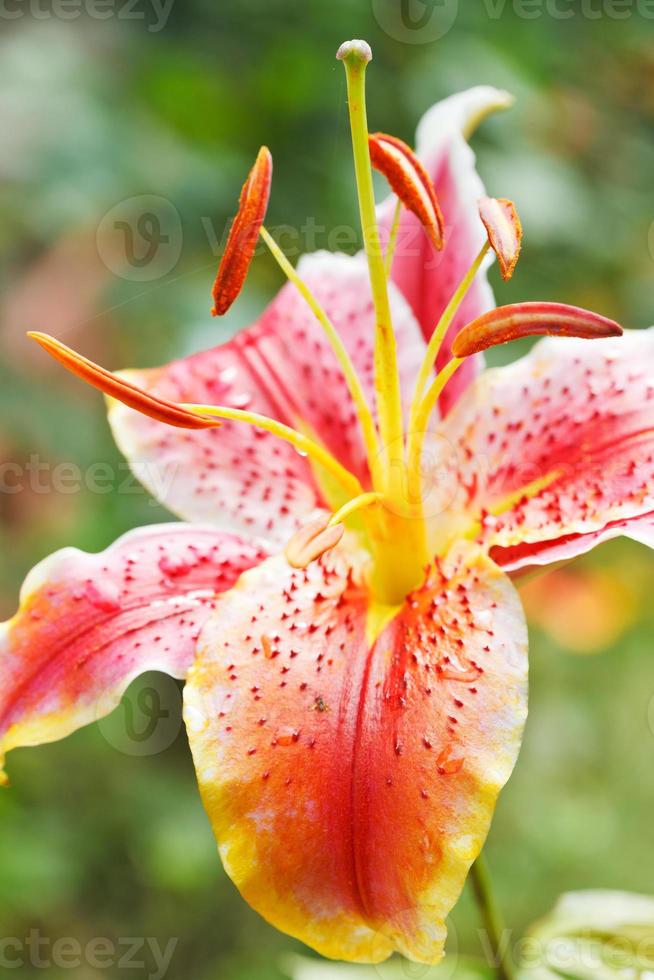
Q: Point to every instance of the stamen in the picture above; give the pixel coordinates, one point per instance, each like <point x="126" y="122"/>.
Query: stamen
<point x="423" y="414"/>
<point x="410" y="181"/>
<point x="392" y="240"/>
<point x="355" y="56"/>
<point x="244" y="233"/>
<point x="312" y="541"/>
<point x="124" y="391"/>
<point x="349" y="372"/>
<point x="529" y="320"/>
<point x="352" y="506"/>
<point x="438" y="336"/>
<point x="504" y="229"/>
<point x="191" y="416"/>
<point x="302" y="443"/>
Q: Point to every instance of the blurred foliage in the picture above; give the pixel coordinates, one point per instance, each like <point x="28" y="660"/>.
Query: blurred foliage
<point x="95" y="842"/>
<point x="594" y="935"/>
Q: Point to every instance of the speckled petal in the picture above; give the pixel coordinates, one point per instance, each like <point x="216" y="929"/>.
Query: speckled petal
<point x="428" y="278"/>
<point x="350" y="780"/>
<point x="523" y="558"/>
<point x="89" y="624"/>
<point x="576" y="415"/>
<point x="246" y="479"/>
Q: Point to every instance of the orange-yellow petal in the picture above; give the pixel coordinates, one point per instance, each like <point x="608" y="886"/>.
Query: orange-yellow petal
<point x="244" y="233"/>
<point x="350" y="771"/>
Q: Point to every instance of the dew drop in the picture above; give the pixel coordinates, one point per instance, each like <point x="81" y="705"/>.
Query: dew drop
<point x="287" y="736"/>
<point x="241" y="401"/>
<point x="227" y="375"/>
<point x="105" y="597"/>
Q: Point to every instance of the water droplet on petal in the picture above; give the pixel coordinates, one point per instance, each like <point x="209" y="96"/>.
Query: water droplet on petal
<point x="287" y="736"/>
<point x="105" y="597"/>
<point x="227" y="375"/>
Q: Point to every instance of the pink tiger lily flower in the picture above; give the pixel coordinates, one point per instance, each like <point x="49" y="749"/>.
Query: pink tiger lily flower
<point x="338" y="595"/>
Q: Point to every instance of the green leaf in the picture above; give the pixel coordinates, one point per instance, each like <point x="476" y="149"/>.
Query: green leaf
<point x="592" y="935"/>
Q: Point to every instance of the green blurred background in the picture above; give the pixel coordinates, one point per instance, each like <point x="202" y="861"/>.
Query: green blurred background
<point x="96" y="841"/>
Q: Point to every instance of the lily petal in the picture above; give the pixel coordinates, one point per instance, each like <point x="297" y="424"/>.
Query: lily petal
<point x="557" y="446"/>
<point x="245" y="479"/>
<point x="524" y="557"/>
<point x="350" y="770"/>
<point x="428" y="278"/>
<point x="89" y="624"/>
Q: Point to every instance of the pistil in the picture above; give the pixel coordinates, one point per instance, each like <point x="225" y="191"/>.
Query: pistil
<point x="355" y="56"/>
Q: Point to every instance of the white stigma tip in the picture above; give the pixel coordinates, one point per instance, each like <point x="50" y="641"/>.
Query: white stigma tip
<point x="358" y="49"/>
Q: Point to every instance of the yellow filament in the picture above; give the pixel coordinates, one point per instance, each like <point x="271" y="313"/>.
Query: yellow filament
<point x="392" y="239"/>
<point x="436" y="340"/>
<point x="422" y="415"/>
<point x="352" y="506"/>
<point x="349" y="373"/>
<point x="301" y="442"/>
<point x="387" y="382"/>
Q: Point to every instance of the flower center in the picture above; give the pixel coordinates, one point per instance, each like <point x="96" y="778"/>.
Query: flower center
<point x="390" y="514"/>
